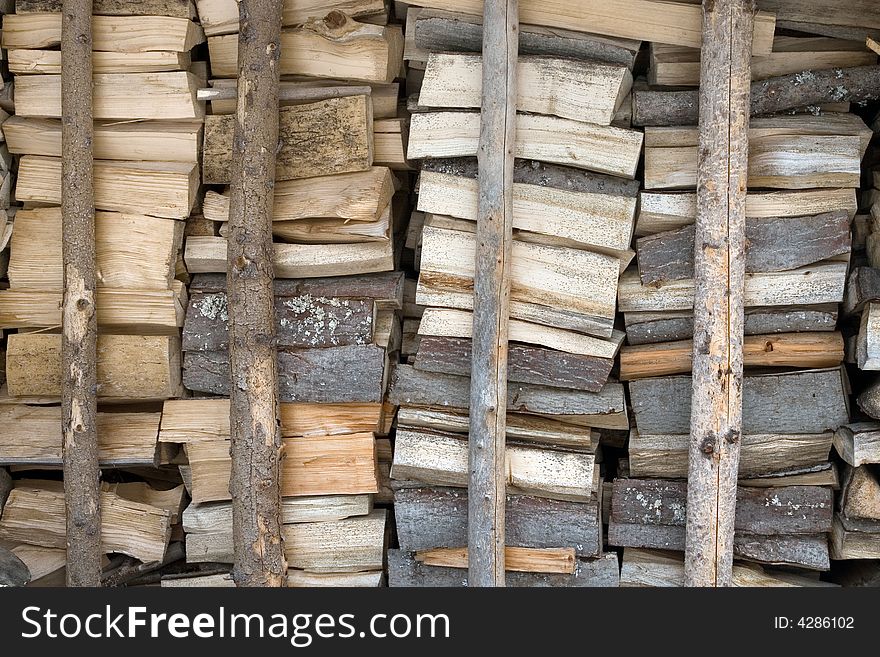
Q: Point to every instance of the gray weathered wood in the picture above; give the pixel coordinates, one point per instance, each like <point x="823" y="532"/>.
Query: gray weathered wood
<point x="488" y="397"/>
<point x="774" y="244"/>
<point x="858" y="443"/>
<point x="328" y="375"/>
<point x="603" y="409"/>
<point x="526" y="363"/>
<point x="543" y="174"/>
<point x="428" y="518"/>
<point x="255" y="428"/>
<point x="300" y="322"/>
<point x="649" y="327"/>
<point x="441" y="31"/>
<point x="175" y="8"/>
<point x="405" y="571"/>
<point x="719" y="277"/>
<point x="79" y="406"/>
<point x="869" y="400"/>
<point x="13" y="571"/>
<point x="862" y="287"/>
<point x="5" y="487"/>
<point x="786" y="92"/>
<point x="812" y="401"/>
<point x="860" y="497"/>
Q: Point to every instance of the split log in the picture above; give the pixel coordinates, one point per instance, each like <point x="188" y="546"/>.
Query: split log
<point x="814" y="350"/>
<point x="862" y="288"/>
<point x="429" y="518"/>
<point x="74" y="366"/>
<point x="221" y="16"/>
<point x="604" y="149"/>
<point x="773" y="244"/>
<point x="13" y="571"/>
<point x="325" y="465"/>
<point x="848" y="542"/>
<point x="196" y="420"/>
<point x="812" y="401"/>
<point x="516" y="559"/>
<point x="329" y="375"/>
<point x="48" y="62"/>
<point x="666" y="326"/>
<point x="295" y="579"/>
<point x="214" y="517"/>
<point x="867" y="347"/>
<point x="778" y="94"/>
<point x="604" y="409"/>
<point x="858" y="443"/>
<point x="350" y="545"/>
<point x="175" y="8"/>
<point x="666" y="456"/>
<point x="860" y="497"/>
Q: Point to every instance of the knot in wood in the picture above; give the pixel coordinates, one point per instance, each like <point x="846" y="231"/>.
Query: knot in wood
<point x="82" y="304"/>
<point x="707" y="446"/>
<point x="335" y="19"/>
<point x="83" y="39"/>
<point x="732" y="436"/>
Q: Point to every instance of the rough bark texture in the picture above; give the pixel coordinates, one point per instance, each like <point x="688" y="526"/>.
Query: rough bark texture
<point x="492" y="295"/>
<point x="255" y="429"/>
<point x="785" y="92"/>
<point x="719" y="267"/>
<point x="79" y="401"/>
<point x="176" y="8"/>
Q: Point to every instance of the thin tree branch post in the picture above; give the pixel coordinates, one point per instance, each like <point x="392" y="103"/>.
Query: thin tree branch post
<point x="79" y="405"/>
<point x="716" y="411"/>
<point x="255" y="429"/>
<point x="488" y="402"/>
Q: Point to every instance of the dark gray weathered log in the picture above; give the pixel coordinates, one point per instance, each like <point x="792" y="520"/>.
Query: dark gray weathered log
<point x="862" y="287"/>
<point x="13" y="571"/>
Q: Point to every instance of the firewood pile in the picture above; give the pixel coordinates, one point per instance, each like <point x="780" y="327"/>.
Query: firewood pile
<point x="376" y="200"/>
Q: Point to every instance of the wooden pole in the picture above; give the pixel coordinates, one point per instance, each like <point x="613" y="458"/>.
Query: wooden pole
<point x="79" y="405"/>
<point x="486" y="499"/>
<point x="255" y="430"/>
<point x="716" y="411"/>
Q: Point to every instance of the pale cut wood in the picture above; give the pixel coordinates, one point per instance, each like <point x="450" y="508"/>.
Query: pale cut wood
<point x="317" y="139"/>
<point x="859" y="443"/>
<point x="333" y="46"/>
<point x="605" y="409"/>
<point x="598" y="221"/>
<point x="163" y="189"/>
<point x="33" y="436"/>
<point x="873" y="45"/>
<point x="787" y="162"/>
<point x="519" y="559"/>
<point x="441" y="459"/>
<point x="810" y="350"/>
<point x="581" y="91"/>
<point x="221" y="16"/>
<point x="847" y="543"/>
<point x="820" y="283"/>
<point x="295" y="579"/>
<point x="41" y="561"/>
<point x="444" y="322"/>
<point x="357" y="196"/>
<point x="646" y="20"/>
<point x="606" y="149"/>
<point x="215" y="517"/>
<point x="169" y="141"/>
<point x="867" y="347"/>
<point x="131" y="251"/>
<point x="666" y="456"/>
<point x="198" y="420"/>
<point x="208" y="254"/>
<point x="350" y="545"/>
<point x="175" y="8"/>
<point x="809" y="401"/>
<point x="121" y="96"/>
<point x="574" y="283"/>
<point x="36" y="517"/>
<point x="527" y="428"/>
<point x="129" y="367"/>
<point x="660" y="211"/>
<point x="109" y="33"/>
<point x="860" y="497"/>
<point x="659" y="568"/>
<point x="314" y="465"/>
<point x="48" y="62"/>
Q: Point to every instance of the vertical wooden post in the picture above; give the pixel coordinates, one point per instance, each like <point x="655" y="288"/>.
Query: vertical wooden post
<point x="716" y="412"/>
<point x="79" y="405"/>
<point x="487" y="484"/>
<point x="255" y="430"/>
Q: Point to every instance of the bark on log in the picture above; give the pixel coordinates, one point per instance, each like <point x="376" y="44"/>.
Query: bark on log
<point x="255" y="429"/>
<point x="719" y="267"/>
<point x="79" y="403"/>
<point x="488" y="414"/>
<point x="785" y="92"/>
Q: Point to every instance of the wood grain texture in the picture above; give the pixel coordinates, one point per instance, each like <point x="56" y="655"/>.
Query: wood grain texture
<point x="867" y="347"/>
<point x="811" y="401"/>
<point x="774" y="244"/>
<point x="516" y="559"/>
<point x="862" y="287"/>
<point x="317" y="139"/>
<point x="859" y="443"/>
<point x="79" y="319"/>
<point x="221" y="16"/>
<point x="175" y="8"/>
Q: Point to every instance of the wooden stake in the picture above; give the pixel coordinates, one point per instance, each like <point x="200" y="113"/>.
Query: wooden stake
<point x="716" y="411"/>
<point x="254" y="424"/>
<point x="79" y="405"/>
<point x="488" y="402"/>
